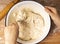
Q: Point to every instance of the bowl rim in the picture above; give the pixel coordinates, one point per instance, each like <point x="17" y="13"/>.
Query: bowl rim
<point x="6" y="19"/>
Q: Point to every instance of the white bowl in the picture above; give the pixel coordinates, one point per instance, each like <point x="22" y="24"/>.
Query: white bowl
<point x="43" y="13"/>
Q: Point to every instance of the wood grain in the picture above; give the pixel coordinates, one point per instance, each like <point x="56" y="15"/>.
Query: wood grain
<point x="6" y="9"/>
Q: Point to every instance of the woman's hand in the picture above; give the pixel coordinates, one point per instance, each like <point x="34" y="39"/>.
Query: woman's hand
<point x="54" y="15"/>
<point x="11" y="34"/>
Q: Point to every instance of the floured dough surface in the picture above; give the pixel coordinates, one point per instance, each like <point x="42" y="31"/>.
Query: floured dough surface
<point x="30" y="23"/>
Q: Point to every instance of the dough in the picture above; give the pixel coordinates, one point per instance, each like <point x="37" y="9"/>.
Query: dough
<point x="30" y="23"/>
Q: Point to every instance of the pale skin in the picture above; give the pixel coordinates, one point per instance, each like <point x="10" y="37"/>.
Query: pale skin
<point x="11" y="32"/>
<point x="54" y="15"/>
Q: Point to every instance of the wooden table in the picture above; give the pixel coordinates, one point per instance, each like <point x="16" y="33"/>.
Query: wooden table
<point x="54" y="35"/>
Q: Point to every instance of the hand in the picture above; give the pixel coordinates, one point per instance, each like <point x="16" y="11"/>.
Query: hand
<point x="11" y="34"/>
<point x="54" y="15"/>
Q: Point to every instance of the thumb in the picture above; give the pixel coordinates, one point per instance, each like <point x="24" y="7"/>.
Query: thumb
<point x="11" y="34"/>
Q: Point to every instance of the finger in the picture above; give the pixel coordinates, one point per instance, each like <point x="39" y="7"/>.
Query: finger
<point x="12" y="28"/>
<point x="15" y="25"/>
<point x="52" y="9"/>
<point x="11" y="34"/>
<point x="53" y="16"/>
<point x="48" y="11"/>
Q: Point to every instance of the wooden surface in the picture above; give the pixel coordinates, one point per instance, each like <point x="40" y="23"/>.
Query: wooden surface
<point x="54" y="35"/>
